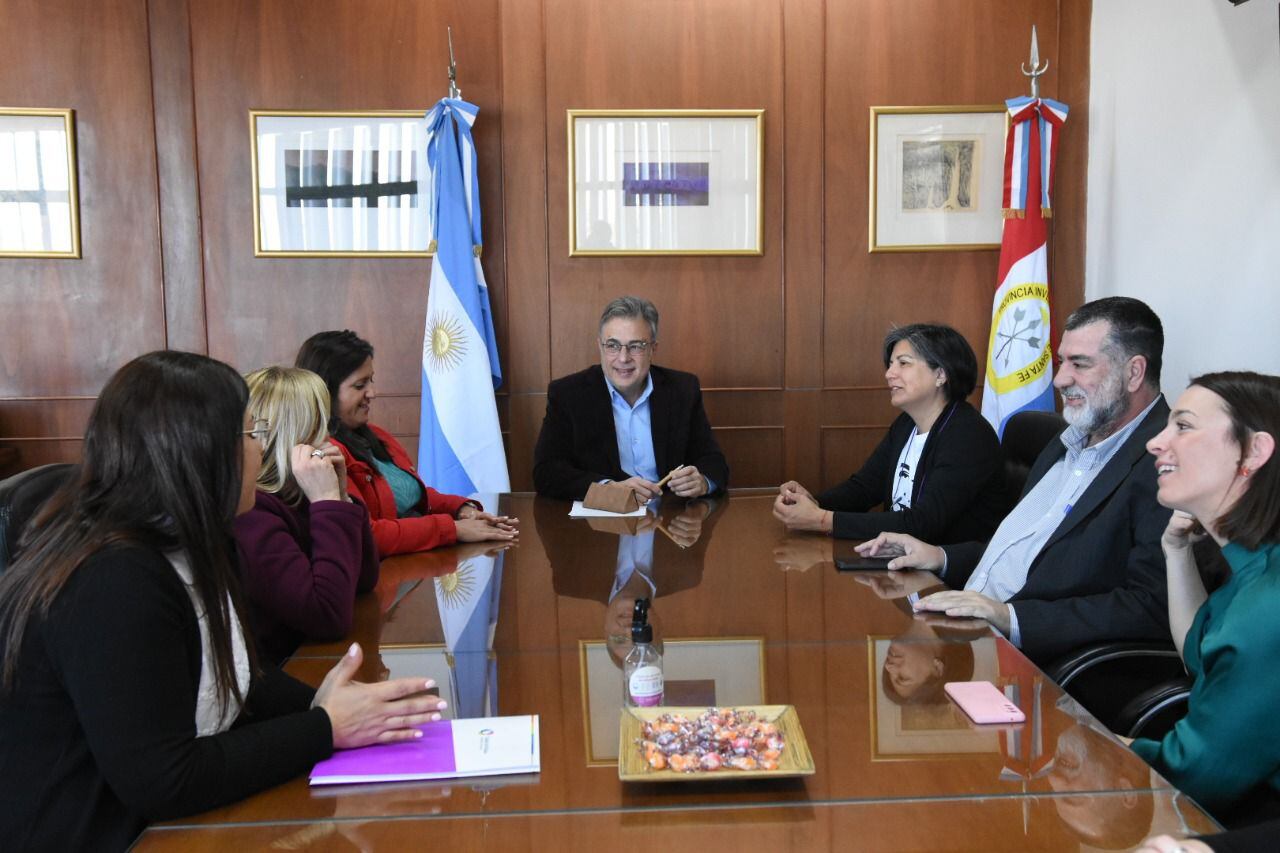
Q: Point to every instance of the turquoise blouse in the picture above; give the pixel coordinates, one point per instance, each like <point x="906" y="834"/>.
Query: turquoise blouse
<point x="1226" y="744"/>
<point x="404" y="487"/>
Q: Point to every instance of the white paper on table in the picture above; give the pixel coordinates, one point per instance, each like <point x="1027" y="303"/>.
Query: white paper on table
<point x="580" y="511"/>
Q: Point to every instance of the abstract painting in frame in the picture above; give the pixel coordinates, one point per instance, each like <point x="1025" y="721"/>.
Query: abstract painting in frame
<point x="340" y="184"/>
<point x="666" y="182"/>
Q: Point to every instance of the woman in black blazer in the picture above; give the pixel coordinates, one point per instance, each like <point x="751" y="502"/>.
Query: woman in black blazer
<point x="938" y="472"/>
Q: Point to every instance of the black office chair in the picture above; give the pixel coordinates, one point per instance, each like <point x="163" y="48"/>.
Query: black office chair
<point x="1156" y="710"/>
<point x="1026" y="434"/>
<point x="20" y="496"/>
<point x="1107" y="677"/>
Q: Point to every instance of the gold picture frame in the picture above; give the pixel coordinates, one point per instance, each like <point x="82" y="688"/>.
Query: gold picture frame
<point x="39" y="194"/>
<point x="927" y="730"/>
<point x="936" y="178"/>
<point x="735" y="666"/>
<point x="666" y="182"/>
<point x="354" y="210"/>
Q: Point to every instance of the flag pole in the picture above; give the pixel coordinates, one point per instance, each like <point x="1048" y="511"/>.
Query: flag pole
<point x="1034" y="72"/>
<point x="456" y="94"/>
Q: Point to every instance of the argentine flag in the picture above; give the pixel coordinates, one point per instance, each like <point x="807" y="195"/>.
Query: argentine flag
<point x="460" y="445"/>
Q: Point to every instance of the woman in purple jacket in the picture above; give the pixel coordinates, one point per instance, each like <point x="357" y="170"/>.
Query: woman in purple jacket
<point x="306" y="548"/>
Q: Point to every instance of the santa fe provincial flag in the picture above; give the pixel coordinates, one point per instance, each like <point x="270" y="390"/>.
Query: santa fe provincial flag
<point x="460" y="445"/>
<point x="1020" y="356"/>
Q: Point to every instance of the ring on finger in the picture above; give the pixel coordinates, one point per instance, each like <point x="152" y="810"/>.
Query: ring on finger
<point x="317" y="453"/>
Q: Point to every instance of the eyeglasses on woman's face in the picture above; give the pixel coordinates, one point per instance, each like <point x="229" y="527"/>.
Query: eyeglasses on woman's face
<point x="259" y="431"/>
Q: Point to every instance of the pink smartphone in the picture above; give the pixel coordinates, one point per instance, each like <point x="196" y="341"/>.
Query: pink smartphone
<point x="983" y="702"/>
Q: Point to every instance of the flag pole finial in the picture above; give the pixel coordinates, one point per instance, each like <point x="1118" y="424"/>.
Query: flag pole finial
<point x="1036" y="68"/>
<point x="454" y="92"/>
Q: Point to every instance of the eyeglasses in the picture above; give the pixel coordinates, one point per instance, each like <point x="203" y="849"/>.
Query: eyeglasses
<point x="636" y="348"/>
<point x="259" y="431"/>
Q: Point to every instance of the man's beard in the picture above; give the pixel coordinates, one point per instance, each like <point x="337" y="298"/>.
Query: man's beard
<point x="1101" y="411"/>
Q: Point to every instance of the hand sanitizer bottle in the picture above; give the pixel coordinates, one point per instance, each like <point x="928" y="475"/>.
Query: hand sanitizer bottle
<point x="642" y="668"/>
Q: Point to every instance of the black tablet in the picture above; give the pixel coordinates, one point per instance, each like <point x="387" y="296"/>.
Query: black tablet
<point x="858" y="564"/>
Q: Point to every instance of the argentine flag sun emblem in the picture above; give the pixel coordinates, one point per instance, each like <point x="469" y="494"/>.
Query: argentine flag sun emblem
<point x="446" y="344"/>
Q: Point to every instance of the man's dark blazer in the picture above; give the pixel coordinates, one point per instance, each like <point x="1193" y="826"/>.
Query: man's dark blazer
<point x="578" y="445"/>
<point x="1101" y="575"/>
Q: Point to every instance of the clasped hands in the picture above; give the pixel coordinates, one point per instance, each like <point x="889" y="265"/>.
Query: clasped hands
<point x="909" y="552"/>
<point x="798" y="509"/>
<point x="475" y="525"/>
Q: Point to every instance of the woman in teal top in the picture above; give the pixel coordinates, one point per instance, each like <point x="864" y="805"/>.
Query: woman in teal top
<point x="1216" y="468"/>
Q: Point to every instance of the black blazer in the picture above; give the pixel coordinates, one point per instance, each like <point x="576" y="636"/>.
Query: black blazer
<point x="578" y="445"/>
<point x="958" y="494"/>
<point x="1101" y="575"/>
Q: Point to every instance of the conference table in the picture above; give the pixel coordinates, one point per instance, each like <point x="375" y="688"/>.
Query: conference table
<point x="746" y="614"/>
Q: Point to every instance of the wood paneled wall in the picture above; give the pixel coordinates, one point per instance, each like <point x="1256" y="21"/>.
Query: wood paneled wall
<point x="786" y="344"/>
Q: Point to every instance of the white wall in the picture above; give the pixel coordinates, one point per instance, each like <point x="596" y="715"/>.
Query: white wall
<point x="1184" y="176"/>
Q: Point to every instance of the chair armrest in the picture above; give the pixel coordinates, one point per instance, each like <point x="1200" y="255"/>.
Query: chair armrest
<point x="1076" y="663"/>
<point x="1154" y="711"/>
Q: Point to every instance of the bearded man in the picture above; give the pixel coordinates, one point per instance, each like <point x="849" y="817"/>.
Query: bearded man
<point x="1078" y="559"/>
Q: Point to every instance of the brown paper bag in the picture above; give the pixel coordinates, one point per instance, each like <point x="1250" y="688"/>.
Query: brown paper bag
<point x="611" y="497"/>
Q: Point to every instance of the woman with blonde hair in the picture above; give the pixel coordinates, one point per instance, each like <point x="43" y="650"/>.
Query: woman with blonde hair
<point x="306" y="548"/>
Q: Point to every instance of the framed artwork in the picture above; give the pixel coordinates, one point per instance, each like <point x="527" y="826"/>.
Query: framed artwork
<point x="914" y="721"/>
<point x="666" y="182"/>
<point x="39" y="205"/>
<point x="340" y="184"/>
<point x="712" y="671"/>
<point x="936" y="178"/>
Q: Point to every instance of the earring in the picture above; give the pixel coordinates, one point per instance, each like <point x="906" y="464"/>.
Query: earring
<point x="1244" y="471"/>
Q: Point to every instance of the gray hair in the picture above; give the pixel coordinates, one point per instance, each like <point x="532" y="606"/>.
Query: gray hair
<point x="630" y="308"/>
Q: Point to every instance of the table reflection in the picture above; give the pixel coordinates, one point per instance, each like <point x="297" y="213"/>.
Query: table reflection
<point x="748" y="614"/>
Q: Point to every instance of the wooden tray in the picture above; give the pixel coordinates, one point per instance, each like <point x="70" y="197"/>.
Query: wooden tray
<point x="796" y="760"/>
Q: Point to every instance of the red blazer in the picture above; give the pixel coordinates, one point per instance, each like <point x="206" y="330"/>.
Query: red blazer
<point x="394" y="535"/>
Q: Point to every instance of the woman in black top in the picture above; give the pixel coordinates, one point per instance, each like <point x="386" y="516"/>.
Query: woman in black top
<point x="938" y="472"/>
<point x="123" y="662"/>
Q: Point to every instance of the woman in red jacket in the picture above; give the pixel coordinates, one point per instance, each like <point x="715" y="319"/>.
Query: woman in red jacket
<point x="407" y="515"/>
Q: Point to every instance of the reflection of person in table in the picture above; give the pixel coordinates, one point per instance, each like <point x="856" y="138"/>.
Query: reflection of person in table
<point x="587" y="556"/>
<point x="617" y="619"/>
<point x="916" y="666"/>
<point x="1085" y="761"/>
<point x="802" y="553"/>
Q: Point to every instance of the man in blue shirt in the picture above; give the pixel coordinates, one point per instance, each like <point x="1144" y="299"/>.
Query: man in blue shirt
<point x="627" y="420"/>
